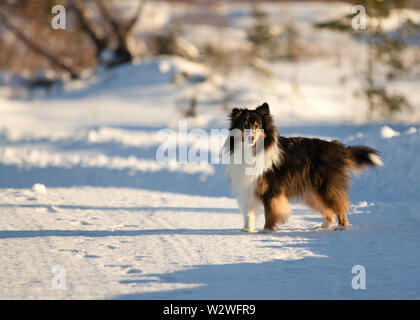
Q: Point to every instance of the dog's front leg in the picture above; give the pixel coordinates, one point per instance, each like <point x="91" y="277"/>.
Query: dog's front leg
<point x="249" y="218"/>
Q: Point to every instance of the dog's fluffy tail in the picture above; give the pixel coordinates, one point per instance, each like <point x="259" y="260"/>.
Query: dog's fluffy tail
<point x="361" y="157"/>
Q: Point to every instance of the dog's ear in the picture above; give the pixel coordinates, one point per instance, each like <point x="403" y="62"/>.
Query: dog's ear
<point x="263" y="109"/>
<point x="236" y="112"/>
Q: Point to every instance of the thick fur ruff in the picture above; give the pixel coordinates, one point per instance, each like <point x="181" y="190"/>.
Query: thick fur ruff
<point x="314" y="170"/>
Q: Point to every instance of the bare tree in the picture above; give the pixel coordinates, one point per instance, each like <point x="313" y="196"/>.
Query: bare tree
<point x="119" y="35"/>
<point x="4" y="19"/>
<point x="100" y="42"/>
<point x="104" y="31"/>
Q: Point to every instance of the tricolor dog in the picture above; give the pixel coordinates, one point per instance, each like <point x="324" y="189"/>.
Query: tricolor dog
<point x="314" y="170"/>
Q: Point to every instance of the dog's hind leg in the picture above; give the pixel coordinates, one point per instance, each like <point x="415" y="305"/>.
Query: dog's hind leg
<point x="276" y="211"/>
<point x="315" y="202"/>
<point x="343" y="222"/>
<point x="339" y="205"/>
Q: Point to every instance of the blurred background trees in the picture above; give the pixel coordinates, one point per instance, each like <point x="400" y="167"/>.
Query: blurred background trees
<point x="96" y="34"/>
<point x="108" y="33"/>
<point x="384" y="48"/>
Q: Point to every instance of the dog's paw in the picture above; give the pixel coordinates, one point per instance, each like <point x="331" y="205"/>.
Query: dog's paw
<point x="322" y="227"/>
<point x="266" y="231"/>
<point x="339" y="228"/>
<point x="247" y="230"/>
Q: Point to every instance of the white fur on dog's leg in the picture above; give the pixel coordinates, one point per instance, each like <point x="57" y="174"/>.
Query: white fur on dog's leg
<point x="249" y="221"/>
<point x="266" y="231"/>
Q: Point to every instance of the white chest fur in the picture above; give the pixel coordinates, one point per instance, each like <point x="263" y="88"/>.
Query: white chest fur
<point x="244" y="184"/>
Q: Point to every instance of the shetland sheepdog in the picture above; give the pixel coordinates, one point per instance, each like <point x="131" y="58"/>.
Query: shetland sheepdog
<point x="314" y="170"/>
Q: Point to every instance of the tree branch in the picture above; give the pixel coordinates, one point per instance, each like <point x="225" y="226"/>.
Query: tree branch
<point x="116" y="25"/>
<point x="120" y="31"/>
<point x="119" y="28"/>
<point x="100" y="43"/>
<point x="137" y="16"/>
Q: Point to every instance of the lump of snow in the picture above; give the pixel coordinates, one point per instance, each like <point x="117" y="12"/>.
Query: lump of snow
<point x="164" y="67"/>
<point x="387" y="132"/>
<point x="411" y="130"/>
<point x="39" y="188"/>
<point x="362" y="204"/>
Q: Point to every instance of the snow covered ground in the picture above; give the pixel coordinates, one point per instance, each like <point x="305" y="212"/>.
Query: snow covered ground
<point x="117" y="224"/>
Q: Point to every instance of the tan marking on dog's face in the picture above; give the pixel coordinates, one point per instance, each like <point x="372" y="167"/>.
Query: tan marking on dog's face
<point x="250" y="123"/>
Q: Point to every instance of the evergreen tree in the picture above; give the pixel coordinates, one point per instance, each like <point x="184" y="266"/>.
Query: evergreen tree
<point x="386" y="48"/>
<point x="262" y="36"/>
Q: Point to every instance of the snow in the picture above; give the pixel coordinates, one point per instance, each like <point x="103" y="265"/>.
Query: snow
<point x="124" y="226"/>
<point x="411" y="130"/>
<point x="387" y="132"/>
<point x="39" y="188"/>
<point x="133" y="243"/>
